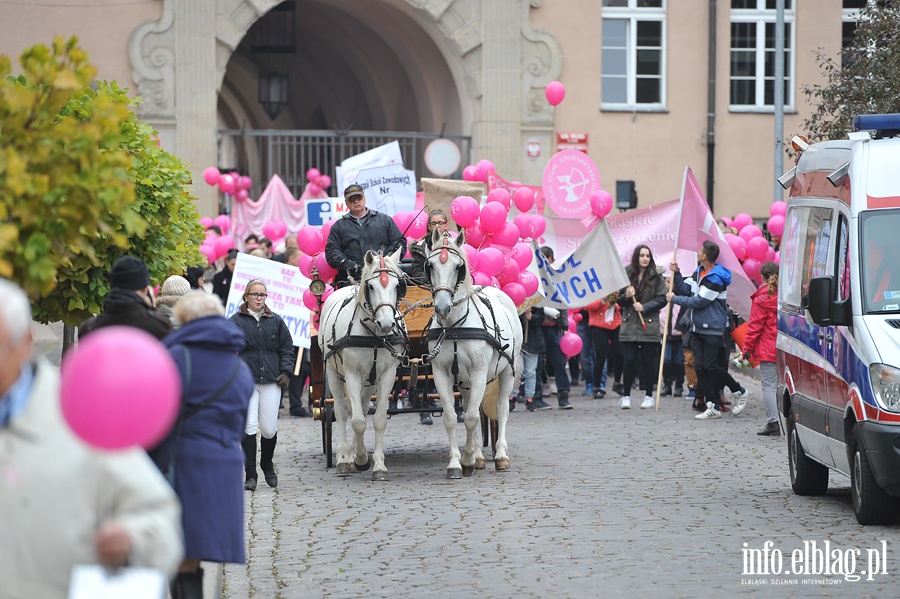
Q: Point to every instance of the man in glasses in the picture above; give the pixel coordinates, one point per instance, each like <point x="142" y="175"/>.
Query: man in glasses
<point x="358" y="231"/>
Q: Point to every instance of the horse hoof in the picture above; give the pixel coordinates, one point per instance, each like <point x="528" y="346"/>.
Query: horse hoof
<point x="454" y="473"/>
<point x="344" y="469"/>
<point x="479" y="463"/>
<point x="501" y="464"/>
<point x="363" y="467"/>
<point x="379" y="475"/>
<point x="468" y="470"/>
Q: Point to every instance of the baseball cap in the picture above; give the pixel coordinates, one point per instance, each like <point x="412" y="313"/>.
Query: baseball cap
<point x="353" y="190"/>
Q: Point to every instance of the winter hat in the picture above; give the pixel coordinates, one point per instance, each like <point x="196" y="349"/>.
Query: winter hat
<point x="175" y="285"/>
<point x="129" y="273"/>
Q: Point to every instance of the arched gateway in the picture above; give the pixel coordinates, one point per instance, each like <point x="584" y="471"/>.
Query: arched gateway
<point x="464" y="67"/>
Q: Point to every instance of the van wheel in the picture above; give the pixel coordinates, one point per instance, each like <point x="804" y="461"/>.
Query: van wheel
<point x="808" y="477"/>
<point x="870" y="503"/>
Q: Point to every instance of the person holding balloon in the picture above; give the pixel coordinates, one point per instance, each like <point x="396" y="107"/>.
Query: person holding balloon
<point x="202" y="454"/>
<point x="269" y="351"/>
<point x="65" y="499"/>
<point x="640" y="334"/>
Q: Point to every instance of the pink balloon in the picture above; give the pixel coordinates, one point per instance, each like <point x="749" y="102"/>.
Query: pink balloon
<point x="727" y="220"/>
<point x="523" y="198"/>
<point x="464" y="211"/>
<point x="210" y="252"/>
<point x="241" y="195"/>
<point x="507" y="236"/>
<point x="535" y="225"/>
<point x="207" y="222"/>
<point x="778" y="257"/>
<point x="751" y="267"/>
<point x="120" y="388"/>
<point x="328" y="291"/>
<point x="757" y="248"/>
<point x="522" y="254"/>
<point x="555" y="92"/>
<point x="484" y="167"/>
<point x="479" y="278"/>
<point x="223" y="222"/>
<point x="312" y="174"/>
<point x="737" y="244"/>
<point x="211" y="175"/>
<point x="601" y="203"/>
<point x="223" y="245"/>
<point x="210" y="238"/>
<point x="490" y="261"/>
<point x="573" y="326"/>
<point x="499" y="195"/>
<point x="778" y="208"/>
<point x="493" y="216"/>
<point x="326" y="229"/>
<point x="226" y="184"/>
<point x="495" y="283"/>
<point x="515" y="291"/>
<point x="529" y="282"/>
<point x="310" y="240"/>
<point x="470" y="173"/>
<point x="309" y="300"/>
<point x="419" y="225"/>
<point x="471" y="256"/>
<point x="245" y="183"/>
<point x="749" y="232"/>
<point x="741" y="220"/>
<point x="775" y="226"/>
<point x="270" y="230"/>
<point x="509" y="273"/>
<point x="570" y="344"/>
<point x="305" y="265"/>
<point x="475" y="236"/>
<point x="770" y="254"/>
<point x="313" y="189"/>
<point x="326" y="272"/>
<point x="324" y="182"/>
<point x="403" y="220"/>
<point x="577" y="317"/>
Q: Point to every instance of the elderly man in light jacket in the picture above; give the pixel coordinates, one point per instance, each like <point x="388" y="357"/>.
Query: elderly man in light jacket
<point x="63" y="502"/>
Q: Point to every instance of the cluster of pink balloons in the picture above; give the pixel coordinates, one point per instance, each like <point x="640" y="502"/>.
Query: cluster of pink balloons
<point x="215" y="246"/>
<point x="230" y="183"/>
<point x="750" y="244"/>
<point x="478" y="171"/>
<point x="275" y="230"/>
<point x="496" y="248"/>
<point x="120" y="388"/>
<point x="316" y="182"/>
<point x="311" y="242"/>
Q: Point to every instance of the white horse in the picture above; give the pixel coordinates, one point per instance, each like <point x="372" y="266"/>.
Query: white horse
<point x="363" y="338"/>
<point x="475" y="337"/>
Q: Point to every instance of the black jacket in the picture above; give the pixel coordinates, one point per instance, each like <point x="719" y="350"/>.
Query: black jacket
<point x="350" y="241"/>
<point x="268" y="346"/>
<point x="534" y="342"/>
<point x="123" y="307"/>
<point x="221" y="284"/>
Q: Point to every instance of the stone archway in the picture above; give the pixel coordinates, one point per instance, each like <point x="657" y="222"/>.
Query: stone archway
<point x="499" y="72"/>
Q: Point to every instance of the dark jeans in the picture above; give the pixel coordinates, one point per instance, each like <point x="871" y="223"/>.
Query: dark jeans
<point x="712" y="376"/>
<point x="297" y="384"/>
<point x="606" y="347"/>
<point x="641" y="358"/>
<point x="556" y="358"/>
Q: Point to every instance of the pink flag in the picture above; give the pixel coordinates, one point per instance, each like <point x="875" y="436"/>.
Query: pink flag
<point x="696" y="225"/>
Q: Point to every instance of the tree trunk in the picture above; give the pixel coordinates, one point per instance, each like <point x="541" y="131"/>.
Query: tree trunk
<point x="69" y="333"/>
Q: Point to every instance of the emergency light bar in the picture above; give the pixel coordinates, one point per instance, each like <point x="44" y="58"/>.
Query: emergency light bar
<point x="876" y="122"/>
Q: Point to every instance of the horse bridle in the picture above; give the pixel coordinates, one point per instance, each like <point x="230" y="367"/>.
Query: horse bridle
<point x="445" y="249"/>
<point x="383" y="273"/>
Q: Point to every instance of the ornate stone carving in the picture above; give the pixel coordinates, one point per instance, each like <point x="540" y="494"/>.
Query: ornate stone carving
<point x="151" y="50"/>
<point x="541" y="64"/>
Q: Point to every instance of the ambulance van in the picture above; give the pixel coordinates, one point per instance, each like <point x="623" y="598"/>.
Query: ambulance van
<point x="838" y="348"/>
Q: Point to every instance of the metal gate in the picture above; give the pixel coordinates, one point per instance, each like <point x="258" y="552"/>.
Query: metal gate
<point x="290" y="153"/>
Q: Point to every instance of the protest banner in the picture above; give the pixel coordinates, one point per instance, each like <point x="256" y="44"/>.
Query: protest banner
<point x="284" y="285"/>
<point x="349" y="169"/>
<point x="438" y="194"/>
<point x="389" y="189"/>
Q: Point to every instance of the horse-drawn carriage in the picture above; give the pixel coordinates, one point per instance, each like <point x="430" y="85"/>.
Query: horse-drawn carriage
<point x="377" y="338"/>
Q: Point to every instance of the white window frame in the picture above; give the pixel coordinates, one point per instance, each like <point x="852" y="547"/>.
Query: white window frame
<point x="633" y="14"/>
<point x="762" y="17"/>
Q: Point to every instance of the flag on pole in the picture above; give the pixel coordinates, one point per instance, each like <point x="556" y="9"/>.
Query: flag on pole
<point x="591" y="272"/>
<point x="697" y="224"/>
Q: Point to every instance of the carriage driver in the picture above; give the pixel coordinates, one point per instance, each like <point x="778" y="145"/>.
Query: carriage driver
<point x="358" y="231"/>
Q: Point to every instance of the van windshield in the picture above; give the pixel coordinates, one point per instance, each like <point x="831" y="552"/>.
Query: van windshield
<point x="880" y="234"/>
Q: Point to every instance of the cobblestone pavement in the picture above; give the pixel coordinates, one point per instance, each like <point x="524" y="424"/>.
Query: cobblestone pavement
<point x="599" y="502"/>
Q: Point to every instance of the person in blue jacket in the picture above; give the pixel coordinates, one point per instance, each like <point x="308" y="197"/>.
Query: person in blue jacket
<point x="202" y="456"/>
<point x="706" y="293"/>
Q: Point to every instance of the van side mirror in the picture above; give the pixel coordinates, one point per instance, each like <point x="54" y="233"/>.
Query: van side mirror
<point x="823" y="309"/>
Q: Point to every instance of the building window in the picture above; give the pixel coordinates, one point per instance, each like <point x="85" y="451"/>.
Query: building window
<point x="753" y="55"/>
<point x="633" y="55"/>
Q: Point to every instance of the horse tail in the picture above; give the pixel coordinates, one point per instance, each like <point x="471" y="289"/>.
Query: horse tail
<point x="490" y="399"/>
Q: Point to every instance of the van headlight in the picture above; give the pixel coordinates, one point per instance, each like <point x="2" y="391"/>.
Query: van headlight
<point x="886" y="384"/>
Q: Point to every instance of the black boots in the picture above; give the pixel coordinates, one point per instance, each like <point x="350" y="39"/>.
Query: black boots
<point x="771" y="429"/>
<point x="424" y="402"/>
<point x="563" y="397"/>
<point x="267" y="447"/>
<point x="248" y="443"/>
<point x="188" y="585"/>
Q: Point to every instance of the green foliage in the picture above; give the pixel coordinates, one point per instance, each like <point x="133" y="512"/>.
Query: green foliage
<point x="83" y="181"/>
<point x="866" y="81"/>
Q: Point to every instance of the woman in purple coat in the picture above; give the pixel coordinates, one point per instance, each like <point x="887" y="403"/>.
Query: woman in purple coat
<point x="202" y="455"/>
